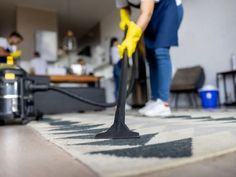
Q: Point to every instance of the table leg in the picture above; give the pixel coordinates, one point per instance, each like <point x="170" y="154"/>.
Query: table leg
<point x="225" y="89"/>
<point x="234" y="84"/>
<point x="218" y="86"/>
<point x="98" y="83"/>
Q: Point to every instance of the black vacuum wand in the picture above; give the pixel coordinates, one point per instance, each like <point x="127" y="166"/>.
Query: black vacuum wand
<point x="119" y="130"/>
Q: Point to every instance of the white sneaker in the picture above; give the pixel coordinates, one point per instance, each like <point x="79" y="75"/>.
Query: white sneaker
<point x="147" y="106"/>
<point x="127" y="107"/>
<point x="158" y="109"/>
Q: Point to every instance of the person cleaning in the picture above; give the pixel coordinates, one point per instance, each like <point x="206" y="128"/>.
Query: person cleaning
<point x="8" y="46"/>
<point x="159" y="22"/>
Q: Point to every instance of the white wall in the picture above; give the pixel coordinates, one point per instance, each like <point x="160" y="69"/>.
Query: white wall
<point x="207" y="35"/>
<point x="29" y="21"/>
<point x="109" y="29"/>
<point x="7" y="19"/>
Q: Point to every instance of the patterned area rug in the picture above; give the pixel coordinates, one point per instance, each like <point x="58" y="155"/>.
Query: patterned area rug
<point x="186" y="137"/>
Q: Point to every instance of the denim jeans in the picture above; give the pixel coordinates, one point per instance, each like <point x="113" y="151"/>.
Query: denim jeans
<point x="160" y="73"/>
<point x="161" y="68"/>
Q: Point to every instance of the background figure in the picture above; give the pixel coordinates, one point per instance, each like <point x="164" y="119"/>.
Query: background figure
<point x="87" y="69"/>
<point x="117" y="64"/>
<point x="38" y="65"/>
<point x="8" y="46"/>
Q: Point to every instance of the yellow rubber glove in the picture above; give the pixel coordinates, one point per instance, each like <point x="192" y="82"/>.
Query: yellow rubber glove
<point x="132" y="38"/>
<point x="124" y="19"/>
<point x="16" y="54"/>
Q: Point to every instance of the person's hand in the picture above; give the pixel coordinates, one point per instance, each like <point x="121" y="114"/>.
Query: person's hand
<point x="16" y="54"/>
<point x="132" y="38"/>
<point x="124" y="18"/>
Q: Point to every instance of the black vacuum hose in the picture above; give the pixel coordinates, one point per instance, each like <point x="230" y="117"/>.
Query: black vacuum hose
<point x="133" y="75"/>
<point x="75" y="96"/>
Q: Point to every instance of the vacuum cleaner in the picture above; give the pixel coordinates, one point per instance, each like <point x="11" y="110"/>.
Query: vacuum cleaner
<point x="16" y="100"/>
<point x="17" y="90"/>
<point x="17" y="95"/>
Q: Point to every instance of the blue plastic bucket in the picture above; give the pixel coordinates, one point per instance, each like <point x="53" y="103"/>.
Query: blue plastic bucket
<point x="209" y="98"/>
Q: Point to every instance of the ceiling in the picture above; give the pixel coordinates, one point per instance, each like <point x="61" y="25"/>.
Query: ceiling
<point x="84" y="14"/>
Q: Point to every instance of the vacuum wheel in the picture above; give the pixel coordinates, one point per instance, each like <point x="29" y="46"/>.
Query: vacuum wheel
<point x="2" y="122"/>
<point x="38" y="116"/>
<point x="25" y="121"/>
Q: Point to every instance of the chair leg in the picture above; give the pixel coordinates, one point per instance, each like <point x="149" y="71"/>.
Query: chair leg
<point x="176" y="100"/>
<point x="190" y="100"/>
<point x="195" y="99"/>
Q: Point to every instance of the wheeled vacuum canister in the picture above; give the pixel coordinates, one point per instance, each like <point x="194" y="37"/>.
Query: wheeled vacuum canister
<point x="16" y="102"/>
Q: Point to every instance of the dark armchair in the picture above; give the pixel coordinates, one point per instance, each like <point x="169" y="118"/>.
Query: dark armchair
<point x="188" y="81"/>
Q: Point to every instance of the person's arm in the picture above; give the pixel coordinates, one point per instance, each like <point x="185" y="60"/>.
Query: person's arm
<point x="3" y="52"/>
<point x="125" y="13"/>
<point x="135" y="30"/>
<point x="147" y="8"/>
<point x="146" y="11"/>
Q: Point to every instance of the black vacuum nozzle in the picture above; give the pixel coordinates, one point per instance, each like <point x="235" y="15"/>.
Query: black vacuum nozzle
<point x="119" y="130"/>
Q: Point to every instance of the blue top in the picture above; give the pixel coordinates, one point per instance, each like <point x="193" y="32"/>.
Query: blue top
<point x="162" y="30"/>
